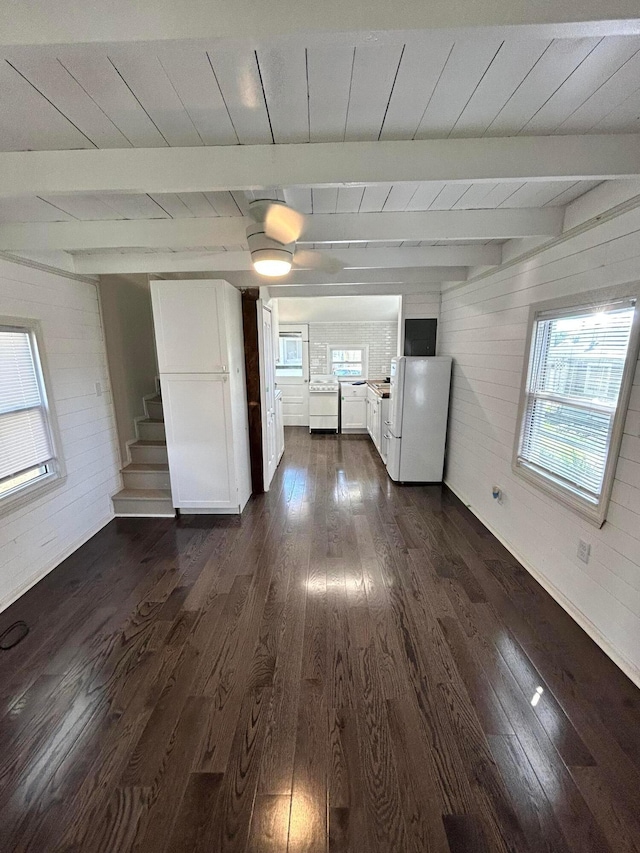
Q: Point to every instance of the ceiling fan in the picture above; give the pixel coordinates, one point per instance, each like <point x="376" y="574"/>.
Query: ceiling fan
<point x="272" y="241"/>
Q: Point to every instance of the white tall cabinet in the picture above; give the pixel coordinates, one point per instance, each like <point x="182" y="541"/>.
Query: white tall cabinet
<point x="199" y="340"/>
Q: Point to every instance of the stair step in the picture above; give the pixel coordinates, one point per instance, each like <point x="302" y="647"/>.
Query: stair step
<point x="146" y="475"/>
<point x="145" y="451"/>
<point x="143" y="503"/>
<point x="150" y="429"/>
<point x="144" y="494"/>
<point x="154" y="409"/>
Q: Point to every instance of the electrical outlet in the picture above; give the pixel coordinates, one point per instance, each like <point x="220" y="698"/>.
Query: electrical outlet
<point x="98" y="389"/>
<point x="584" y="550"/>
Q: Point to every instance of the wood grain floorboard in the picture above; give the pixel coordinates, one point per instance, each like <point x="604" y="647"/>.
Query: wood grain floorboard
<point x="347" y="668"/>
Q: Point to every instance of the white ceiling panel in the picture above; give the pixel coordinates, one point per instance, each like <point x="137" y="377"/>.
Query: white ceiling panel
<point x="300" y="198"/>
<point x="625" y="118"/>
<point x="349" y="199"/>
<point x="329" y="74"/>
<point x="417" y="77"/>
<point x="499" y="194"/>
<point x="224" y="203"/>
<point x="29" y="122"/>
<point x="509" y="68"/>
<point x="448" y="196"/>
<point x="239" y="81"/>
<point x="31" y="210"/>
<point x="173" y="205"/>
<point x="191" y="76"/>
<point x="598" y="67"/>
<point x="138" y="206"/>
<point x="400" y="195"/>
<point x="374" y="198"/>
<point x="198" y="204"/>
<point x="374" y="72"/>
<point x="474" y="197"/>
<point x="83" y="206"/>
<point x="51" y="78"/>
<point x="621" y="85"/>
<point x="284" y="78"/>
<point x="424" y="195"/>
<point x="147" y="79"/>
<point x="96" y="74"/>
<point x="464" y="69"/>
<point x="324" y="199"/>
<point x="555" y="66"/>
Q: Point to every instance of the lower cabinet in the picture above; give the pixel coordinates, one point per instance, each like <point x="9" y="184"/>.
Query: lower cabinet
<point x="200" y="444"/>
<point x="377" y="415"/>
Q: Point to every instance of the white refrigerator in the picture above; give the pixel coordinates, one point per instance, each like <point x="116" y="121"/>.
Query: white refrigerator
<point x="417" y="427"/>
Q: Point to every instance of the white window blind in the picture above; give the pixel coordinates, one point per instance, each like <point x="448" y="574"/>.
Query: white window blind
<point x="25" y="438"/>
<point x="576" y="366"/>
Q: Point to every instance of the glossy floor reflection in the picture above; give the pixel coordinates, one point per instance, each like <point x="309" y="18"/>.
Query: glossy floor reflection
<point x="352" y="666"/>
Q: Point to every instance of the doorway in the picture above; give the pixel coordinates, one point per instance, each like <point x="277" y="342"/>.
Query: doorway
<point x="292" y="372"/>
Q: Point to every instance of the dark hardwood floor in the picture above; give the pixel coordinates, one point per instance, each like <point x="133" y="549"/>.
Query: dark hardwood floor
<point x="349" y="667"/>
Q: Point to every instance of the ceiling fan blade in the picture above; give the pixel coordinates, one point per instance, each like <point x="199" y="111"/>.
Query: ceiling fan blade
<point x="283" y="223"/>
<point x="310" y="259"/>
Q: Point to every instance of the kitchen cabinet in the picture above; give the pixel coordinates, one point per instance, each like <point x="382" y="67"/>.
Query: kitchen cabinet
<point x="199" y="340"/>
<point x="353" y="407"/>
<point x="377" y="413"/>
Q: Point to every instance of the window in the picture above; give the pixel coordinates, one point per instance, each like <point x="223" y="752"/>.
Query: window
<point x="579" y="373"/>
<point x="350" y="361"/>
<point x="290" y="355"/>
<point x="27" y="455"/>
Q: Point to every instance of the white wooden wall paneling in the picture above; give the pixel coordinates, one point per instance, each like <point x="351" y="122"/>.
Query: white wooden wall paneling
<point x="190" y="73"/>
<point x="101" y="81"/>
<point x="607" y="590"/>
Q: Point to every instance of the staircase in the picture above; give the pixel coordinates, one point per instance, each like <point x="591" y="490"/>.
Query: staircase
<point x="147" y="490"/>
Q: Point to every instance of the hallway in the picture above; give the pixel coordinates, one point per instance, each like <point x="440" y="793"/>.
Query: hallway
<point x="351" y="666"/>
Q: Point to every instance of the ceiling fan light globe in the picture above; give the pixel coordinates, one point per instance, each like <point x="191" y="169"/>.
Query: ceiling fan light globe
<point x="272" y="267"/>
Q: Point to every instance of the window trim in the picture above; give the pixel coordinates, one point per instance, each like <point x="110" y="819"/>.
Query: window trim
<point x="365" y="359"/>
<point x="54" y="478"/>
<point x="592" y="300"/>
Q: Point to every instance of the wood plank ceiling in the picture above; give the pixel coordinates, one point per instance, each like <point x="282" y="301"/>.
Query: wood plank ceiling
<point x="297" y="91"/>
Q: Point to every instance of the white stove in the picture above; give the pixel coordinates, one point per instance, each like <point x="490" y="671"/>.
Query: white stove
<point x="323" y="402"/>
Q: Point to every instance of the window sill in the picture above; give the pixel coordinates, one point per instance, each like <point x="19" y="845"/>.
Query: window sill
<point x="30" y="492"/>
<point x="594" y="514"/>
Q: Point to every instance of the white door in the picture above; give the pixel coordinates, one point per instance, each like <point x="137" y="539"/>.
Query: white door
<point x="197" y="413"/>
<point x="292" y="373"/>
<point x="270" y="437"/>
<point x="189" y="321"/>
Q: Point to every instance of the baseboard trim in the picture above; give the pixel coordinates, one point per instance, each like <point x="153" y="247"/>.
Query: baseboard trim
<point x="61" y="557"/>
<point x="621" y="661"/>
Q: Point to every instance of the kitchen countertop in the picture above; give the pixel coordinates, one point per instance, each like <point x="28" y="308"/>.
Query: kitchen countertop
<point x="380" y="387"/>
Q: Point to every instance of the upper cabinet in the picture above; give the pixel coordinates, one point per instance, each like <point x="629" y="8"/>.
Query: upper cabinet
<point x="190" y="326"/>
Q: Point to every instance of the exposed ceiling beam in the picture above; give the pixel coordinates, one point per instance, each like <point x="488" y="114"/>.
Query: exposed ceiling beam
<point x="245" y="276"/>
<point x="251" y="167"/>
<point x="120" y="20"/>
<point x="362" y="289"/>
<point x="451" y="258"/>
<point x="320" y="228"/>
